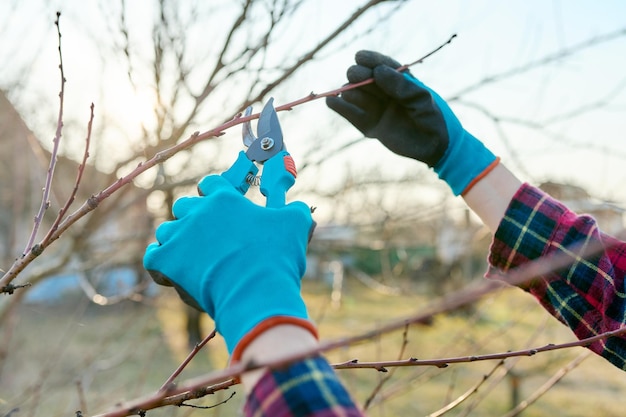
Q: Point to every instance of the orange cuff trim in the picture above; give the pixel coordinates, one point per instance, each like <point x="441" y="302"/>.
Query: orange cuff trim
<point x="266" y="325"/>
<point x="482" y="175"/>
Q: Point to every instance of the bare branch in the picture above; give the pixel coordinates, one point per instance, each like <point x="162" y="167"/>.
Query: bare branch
<point x="456" y="300"/>
<point x="388" y="376"/>
<point x="467" y="394"/>
<point x="11" y="288"/>
<point x="380" y="366"/>
<point x="508" y="367"/>
<point x="45" y="200"/>
<point x="549" y="384"/>
<point x="311" y="54"/>
<point x="219" y="63"/>
<point x="158" y="158"/>
<point x="79" y="176"/>
<point x="549" y="59"/>
<point x="313" y="96"/>
<point x="188" y="359"/>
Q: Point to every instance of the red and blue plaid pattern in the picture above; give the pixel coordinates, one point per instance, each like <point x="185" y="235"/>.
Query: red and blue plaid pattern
<point x="309" y="388"/>
<point x="588" y="295"/>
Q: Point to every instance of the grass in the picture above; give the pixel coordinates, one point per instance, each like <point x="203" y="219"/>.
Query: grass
<point x="110" y="354"/>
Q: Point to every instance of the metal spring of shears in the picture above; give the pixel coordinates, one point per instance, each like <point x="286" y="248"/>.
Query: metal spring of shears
<point x="253" y="180"/>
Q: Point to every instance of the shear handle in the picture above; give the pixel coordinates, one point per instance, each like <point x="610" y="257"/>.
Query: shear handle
<point x="240" y="171"/>
<point x="279" y="175"/>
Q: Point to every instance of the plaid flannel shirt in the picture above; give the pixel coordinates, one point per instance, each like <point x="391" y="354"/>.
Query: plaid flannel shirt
<point x="309" y="388"/>
<point x="588" y="295"/>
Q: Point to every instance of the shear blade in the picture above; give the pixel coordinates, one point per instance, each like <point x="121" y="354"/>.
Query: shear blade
<point x="267" y="127"/>
<point x="268" y="121"/>
<point x="248" y="136"/>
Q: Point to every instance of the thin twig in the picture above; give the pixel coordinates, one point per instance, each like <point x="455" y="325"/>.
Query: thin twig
<point x="467" y="394"/>
<point x="10" y="288"/>
<point x="168" y="383"/>
<point x="389" y="375"/>
<point x="45" y="200"/>
<point x="509" y="365"/>
<point x="460" y="298"/>
<point x="313" y="96"/>
<point x="208" y="407"/>
<point x="546" y="60"/>
<point x="159" y="158"/>
<point x="198" y="393"/>
<point x="548" y="384"/>
<point x="81" y="396"/>
<point x="445" y="362"/>
<point x="79" y="176"/>
<point x="434" y="51"/>
<point x="311" y="54"/>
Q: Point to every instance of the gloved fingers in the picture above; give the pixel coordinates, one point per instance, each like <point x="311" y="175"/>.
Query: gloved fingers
<point x="301" y="218"/>
<point x="360" y="118"/>
<point x="151" y="261"/>
<point x="160" y="278"/>
<point x="371" y="104"/>
<point x="184" y="206"/>
<point x="188" y="299"/>
<point x="399" y="86"/>
<point x="370" y="63"/>
<point x="372" y="59"/>
<point x="300" y="213"/>
<point x="165" y="231"/>
<point x="150" y="249"/>
<point x="358" y="73"/>
<point x="211" y="184"/>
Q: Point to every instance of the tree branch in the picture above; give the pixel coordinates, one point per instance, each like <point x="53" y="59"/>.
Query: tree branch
<point x="79" y="176"/>
<point x="548" y="384"/>
<point x="467" y="394"/>
<point x="45" y="200"/>
<point x="548" y="59"/>
<point x="160" y="157"/>
<point x="541" y="266"/>
<point x="188" y="359"/>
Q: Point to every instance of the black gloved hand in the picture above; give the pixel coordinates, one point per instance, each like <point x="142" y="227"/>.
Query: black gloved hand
<point x="411" y="120"/>
<point x="398" y="110"/>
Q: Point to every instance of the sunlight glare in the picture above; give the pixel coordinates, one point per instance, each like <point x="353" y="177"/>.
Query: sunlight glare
<point x="137" y="108"/>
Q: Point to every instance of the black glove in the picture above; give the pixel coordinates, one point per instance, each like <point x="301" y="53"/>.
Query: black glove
<point x="399" y="111"/>
<point x="411" y="120"/>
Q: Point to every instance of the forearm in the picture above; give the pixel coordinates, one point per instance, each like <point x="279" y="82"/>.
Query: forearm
<point x="528" y="224"/>
<point x="490" y="197"/>
<point x="588" y="295"/>
<point x="275" y="343"/>
<point x="306" y="388"/>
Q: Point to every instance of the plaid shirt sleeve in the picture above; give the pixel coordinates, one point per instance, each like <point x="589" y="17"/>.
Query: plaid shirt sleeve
<point x="309" y="388"/>
<point x="588" y="296"/>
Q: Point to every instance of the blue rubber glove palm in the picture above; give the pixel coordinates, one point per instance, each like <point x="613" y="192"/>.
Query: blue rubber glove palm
<point x="239" y="262"/>
<point x="411" y="120"/>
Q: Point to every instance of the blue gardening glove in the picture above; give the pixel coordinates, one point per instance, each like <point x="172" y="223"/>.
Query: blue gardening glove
<point x="239" y="262"/>
<point x="411" y="120"/>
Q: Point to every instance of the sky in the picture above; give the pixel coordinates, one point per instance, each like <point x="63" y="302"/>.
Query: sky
<point x="494" y="38"/>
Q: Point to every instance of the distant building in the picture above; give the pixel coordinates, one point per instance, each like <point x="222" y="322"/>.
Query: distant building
<point x="112" y="236"/>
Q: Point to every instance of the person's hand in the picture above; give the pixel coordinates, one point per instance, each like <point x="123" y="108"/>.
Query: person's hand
<point x="411" y="120"/>
<point x="239" y="262"/>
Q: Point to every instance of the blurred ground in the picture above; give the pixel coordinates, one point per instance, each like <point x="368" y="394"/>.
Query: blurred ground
<point x="80" y="356"/>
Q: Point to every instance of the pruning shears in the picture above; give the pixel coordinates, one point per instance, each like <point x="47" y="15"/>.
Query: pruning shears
<point x="267" y="149"/>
